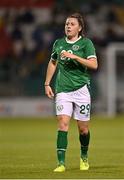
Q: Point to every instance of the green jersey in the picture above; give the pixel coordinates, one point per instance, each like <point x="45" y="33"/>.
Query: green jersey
<point x="71" y="74"/>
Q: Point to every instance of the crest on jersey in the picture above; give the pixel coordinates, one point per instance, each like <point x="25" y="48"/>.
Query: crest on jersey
<point x="75" y="47"/>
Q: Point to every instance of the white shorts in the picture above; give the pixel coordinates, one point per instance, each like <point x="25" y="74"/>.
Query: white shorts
<point x="76" y="104"/>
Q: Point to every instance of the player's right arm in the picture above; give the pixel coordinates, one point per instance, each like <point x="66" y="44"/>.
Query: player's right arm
<point x="49" y="74"/>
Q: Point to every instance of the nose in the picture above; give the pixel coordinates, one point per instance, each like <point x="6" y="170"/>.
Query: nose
<point x="68" y="27"/>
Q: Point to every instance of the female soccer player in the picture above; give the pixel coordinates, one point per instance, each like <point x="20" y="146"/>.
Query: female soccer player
<point x="73" y="54"/>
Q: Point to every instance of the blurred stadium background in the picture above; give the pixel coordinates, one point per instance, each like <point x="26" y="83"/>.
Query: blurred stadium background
<point x="28" y="29"/>
<point x="27" y="32"/>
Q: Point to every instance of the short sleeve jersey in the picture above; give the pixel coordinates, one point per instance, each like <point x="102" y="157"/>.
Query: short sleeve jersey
<point x="71" y="74"/>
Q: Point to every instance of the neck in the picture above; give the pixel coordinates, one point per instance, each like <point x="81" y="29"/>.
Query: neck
<point x="71" y="38"/>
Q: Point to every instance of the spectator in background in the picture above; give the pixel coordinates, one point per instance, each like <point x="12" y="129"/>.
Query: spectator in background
<point x="5" y="40"/>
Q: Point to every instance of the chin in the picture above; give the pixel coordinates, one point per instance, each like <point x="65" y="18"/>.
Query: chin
<point x="69" y="36"/>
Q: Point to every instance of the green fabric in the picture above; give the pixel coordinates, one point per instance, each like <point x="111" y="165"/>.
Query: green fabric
<point x="61" y="146"/>
<point x="71" y="74"/>
<point x="84" y="141"/>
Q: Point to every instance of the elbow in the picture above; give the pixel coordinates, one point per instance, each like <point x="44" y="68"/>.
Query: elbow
<point x="95" y="67"/>
<point x="93" y="64"/>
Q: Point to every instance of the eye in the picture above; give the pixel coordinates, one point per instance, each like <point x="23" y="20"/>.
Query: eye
<point x="72" y="24"/>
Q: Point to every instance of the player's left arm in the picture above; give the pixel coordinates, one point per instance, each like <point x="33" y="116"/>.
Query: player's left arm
<point x="91" y="62"/>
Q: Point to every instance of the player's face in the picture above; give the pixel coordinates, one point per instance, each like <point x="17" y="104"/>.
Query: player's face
<point x="72" y="28"/>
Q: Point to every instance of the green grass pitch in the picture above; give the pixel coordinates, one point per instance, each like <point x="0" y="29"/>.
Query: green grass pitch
<point x="27" y="149"/>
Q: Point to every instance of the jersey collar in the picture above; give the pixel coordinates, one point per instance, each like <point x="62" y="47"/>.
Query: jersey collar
<point x="71" y="42"/>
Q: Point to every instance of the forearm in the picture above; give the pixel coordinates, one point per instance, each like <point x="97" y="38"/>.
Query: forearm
<point x="89" y="63"/>
<point x="50" y="71"/>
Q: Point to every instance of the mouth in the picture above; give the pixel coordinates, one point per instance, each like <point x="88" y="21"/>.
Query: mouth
<point x="68" y="31"/>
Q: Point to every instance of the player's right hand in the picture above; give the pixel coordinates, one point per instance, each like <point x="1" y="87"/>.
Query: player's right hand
<point x="49" y="92"/>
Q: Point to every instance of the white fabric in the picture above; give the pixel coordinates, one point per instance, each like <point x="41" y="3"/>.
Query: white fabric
<point x="75" y="104"/>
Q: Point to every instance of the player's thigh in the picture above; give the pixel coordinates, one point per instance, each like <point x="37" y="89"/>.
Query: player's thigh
<point x="64" y="106"/>
<point x="82" y="111"/>
<point x="82" y="105"/>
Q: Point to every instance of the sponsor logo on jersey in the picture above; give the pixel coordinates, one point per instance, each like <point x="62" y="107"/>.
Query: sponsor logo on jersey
<point x="75" y="47"/>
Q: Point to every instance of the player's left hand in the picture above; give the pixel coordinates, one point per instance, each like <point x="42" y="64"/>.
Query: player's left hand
<point x="66" y="54"/>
